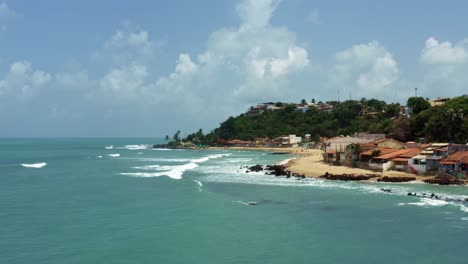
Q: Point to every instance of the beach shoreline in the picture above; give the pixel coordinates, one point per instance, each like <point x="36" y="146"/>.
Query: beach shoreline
<point x="310" y="163"/>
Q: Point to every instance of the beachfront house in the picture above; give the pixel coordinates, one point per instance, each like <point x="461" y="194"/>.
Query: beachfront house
<point x="456" y="164"/>
<point x="386" y="161"/>
<point x="417" y="164"/>
<point x="336" y="148"/>
<point x="287" y="141"/>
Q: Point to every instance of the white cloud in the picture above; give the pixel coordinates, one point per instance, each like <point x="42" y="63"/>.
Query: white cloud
<point x="366" y="70"/>
<point x="22" y="81"/>
<point x="436" y="52"/>
<point x="256" y="13"/>
<point x="314" y="17"/>
<point x="445" y="65"/>
<point x="127" y="45"/>
<point x="6" y="12"/>
<point x="126" y="82"/>
<point x="240" y="66"/>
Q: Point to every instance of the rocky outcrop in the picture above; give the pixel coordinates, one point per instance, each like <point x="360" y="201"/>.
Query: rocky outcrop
<point x="277" y="170"/>
<point x="348" y="177"/>
<point x="396" y="179"/>
<point x="255" y="168"/>
<point x="444" y="180"/>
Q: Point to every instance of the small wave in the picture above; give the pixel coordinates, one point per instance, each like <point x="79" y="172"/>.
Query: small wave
<point x="114" y="155"/>
<point x="464" y="218"/>
<point x="99" y="157"/>
<point x="161" y="149"/>
<point x="34" y="165"/>
<point x="284" y="162"/>
<point x="199" y="183"/>
<point x="133" y="147"/>
<point x="164" y="160"/>
<point x="175" y="172"/>
<point x="214" y="156"/>
<point x="110" y="147"/>
<point x="429" y="202"/>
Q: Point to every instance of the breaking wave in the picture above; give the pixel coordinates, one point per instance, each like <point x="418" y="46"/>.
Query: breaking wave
<point x="34" y="165"/>
<point x="114" y="155"/>
<point x="175" y="172"/>
<point x="109" y="147"/>
<point x="133" y="147"/>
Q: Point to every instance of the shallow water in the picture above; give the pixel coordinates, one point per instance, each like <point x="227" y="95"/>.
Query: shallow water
<point x="180" y="206"/>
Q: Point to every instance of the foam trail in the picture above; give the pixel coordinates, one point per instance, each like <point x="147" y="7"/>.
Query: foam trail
<point x="284" y="162"/>
<point x="200" y="185"/>
<point x="114" y="155"/>
<point x="34" y="165"/>
<point x="175" y="172"/>
<point x="110" y="147"/>
<point x="214" y="156"/>
<point x="133" y="147"/>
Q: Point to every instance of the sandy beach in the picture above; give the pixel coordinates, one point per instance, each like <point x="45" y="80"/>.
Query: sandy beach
<point x="310" y="163"/>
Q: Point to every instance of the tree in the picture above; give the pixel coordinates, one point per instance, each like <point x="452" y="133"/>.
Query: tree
<point x="166" y="138"/>
<point x="313" y="101"/>
<point x="417" y="104"/>
<point x="303" y="102"/>
<point x="176" y="136"/>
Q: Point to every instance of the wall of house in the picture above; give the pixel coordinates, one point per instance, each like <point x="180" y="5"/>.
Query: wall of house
<point x="387" y="166"/>
<point x="419" y="168"/>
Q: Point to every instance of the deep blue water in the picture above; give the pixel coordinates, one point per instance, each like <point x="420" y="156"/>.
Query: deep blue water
<point x="85" y="206"/>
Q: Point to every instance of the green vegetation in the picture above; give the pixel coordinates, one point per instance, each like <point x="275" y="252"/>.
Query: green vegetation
<point x="444" y="124"/>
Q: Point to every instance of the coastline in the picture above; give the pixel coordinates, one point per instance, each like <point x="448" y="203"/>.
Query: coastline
<point x="309" y="162"/>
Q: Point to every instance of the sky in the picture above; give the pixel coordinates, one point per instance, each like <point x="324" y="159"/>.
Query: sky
<point x="149" y="68"/>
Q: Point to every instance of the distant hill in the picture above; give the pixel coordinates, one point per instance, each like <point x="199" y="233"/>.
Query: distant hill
<point x="442" y="123"/>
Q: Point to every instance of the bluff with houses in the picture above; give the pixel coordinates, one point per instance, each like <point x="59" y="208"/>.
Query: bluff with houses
<point x="423" y="136"/>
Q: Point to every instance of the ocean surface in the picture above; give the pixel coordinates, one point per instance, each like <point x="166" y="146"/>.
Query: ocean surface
<point x="114" y="201"/>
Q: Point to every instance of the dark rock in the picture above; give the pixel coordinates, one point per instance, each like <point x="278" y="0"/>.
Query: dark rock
<point x="444" y="180"/>
<point x="396" y="179"/>
<point x="256" y="168"/>
<point x="347" y="177"/>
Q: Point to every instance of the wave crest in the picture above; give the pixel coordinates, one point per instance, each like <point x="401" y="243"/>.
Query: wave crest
<point x="35" y="165"/>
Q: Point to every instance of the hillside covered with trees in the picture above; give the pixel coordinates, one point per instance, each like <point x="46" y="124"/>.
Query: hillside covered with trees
<point x="446" y="123"/>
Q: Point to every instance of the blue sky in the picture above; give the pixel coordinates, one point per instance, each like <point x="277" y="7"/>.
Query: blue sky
<point x="149" y="68"/>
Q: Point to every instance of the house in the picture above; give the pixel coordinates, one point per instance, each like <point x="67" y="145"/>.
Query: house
<point x="439" y="101"/>
<point x="417" y="164"/>
<point x="456" y="164"/>
<point x="287" y="141"/>
<point x="386" y="161"/>
<point x="337" y="147"/>
<point x="370" y="136"/>
<point x="367" y="155"/>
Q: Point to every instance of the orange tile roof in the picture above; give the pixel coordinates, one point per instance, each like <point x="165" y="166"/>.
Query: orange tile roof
<point x="457" y="157"/>
<point x="382" y="151"/>
<point x="395" y="154"/>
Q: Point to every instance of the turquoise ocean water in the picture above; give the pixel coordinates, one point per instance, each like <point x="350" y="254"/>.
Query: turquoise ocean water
<point x="128" y="204"/>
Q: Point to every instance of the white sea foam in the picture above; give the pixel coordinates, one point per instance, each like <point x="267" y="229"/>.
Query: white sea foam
<point x="99" y="157"/>
<point x="133" y="147"/>
<point x="164" y="160"/>
<point x="110" y="147"/>
<point x="429" y="202"/>
<point x="34" y="165"/>
<point x="114" y="155"/>
<point x="162" y="149"/>
<point x="199" y="183"/>
<point x="284" y="162"/>
<point x="214" y="156"/>
<point x="464" y="218"/>
<point x="175" y="172"/>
